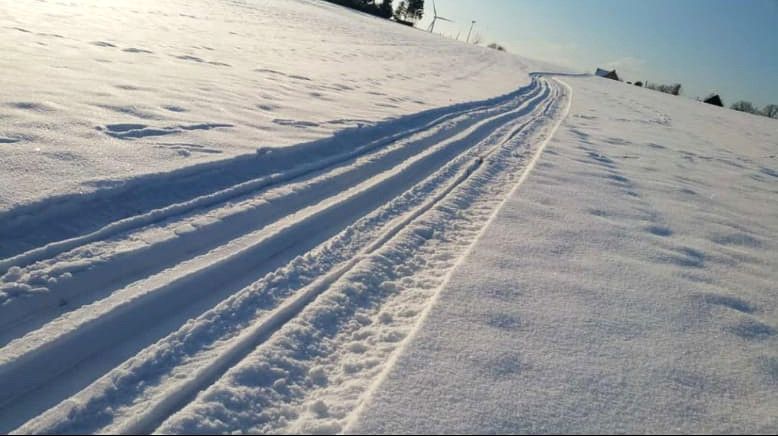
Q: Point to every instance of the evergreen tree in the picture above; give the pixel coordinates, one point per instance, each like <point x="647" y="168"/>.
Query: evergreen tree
<point x="415" y="9"/>
<point x="402" y="10"/>
<point x="386" y="9"/>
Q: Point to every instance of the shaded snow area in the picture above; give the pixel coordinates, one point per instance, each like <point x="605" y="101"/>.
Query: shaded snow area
<point x="94" y="93"/>
<point x="288" y="217"/>
<point x="630" y="285"/>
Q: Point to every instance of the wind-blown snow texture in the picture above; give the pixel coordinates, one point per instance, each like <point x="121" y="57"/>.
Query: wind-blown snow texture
<point x="96" y="92"/>
<point x="628" y="286"/>
<point x="409" y="234"/>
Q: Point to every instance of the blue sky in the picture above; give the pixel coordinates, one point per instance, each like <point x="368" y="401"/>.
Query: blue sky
<point x="728" y="46"/>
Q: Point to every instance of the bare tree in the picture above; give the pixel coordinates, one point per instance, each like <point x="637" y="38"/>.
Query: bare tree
<point x="674" y="89"/>
<point x="771" y="111"/>
<point x="744" y="106"/>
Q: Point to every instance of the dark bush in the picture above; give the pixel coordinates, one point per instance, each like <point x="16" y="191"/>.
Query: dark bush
<point x="383" y="10"/>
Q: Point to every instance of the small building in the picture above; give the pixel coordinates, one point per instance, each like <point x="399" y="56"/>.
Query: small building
<point x="714" y="99"/>
<point x="607" y="74"/>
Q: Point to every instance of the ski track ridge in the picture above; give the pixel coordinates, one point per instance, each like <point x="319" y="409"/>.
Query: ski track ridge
<point x="241" y="293"/>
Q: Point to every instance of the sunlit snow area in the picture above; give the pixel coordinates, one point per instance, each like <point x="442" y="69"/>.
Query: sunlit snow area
<point x="105" y="90"/>
<point x="287" y="216"/>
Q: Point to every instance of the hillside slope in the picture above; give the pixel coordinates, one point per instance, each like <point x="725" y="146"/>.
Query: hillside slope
<point x="96" y="93"/>
<point x="628" y="286"/>
<point x="281" y="217"/>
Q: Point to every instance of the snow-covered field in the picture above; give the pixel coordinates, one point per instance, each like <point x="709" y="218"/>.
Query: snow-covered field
<point x="264" y="216"/>
<point x="96" y="92"/>
<point x="629" y="286"/>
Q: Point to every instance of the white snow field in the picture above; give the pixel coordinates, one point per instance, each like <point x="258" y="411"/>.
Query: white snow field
<point x="630" y="285"/>
<point x="284" y="217"/>
<point x="96" y="92"/>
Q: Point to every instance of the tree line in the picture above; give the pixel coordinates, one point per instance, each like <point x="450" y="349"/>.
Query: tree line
<point x="407" y="11"/>
<point x="770" y="110"/>
<point x="674" y="89"/>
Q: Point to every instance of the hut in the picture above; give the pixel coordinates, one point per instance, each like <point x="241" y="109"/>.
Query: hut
<point x="714" y="99"/>
<point x="607" y="74"/>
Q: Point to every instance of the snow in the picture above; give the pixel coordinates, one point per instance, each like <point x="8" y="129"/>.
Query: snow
<point x="627" y="287"/>
<point x="98" y="93"/>
<point x="205" y="348"/>
<point x="287" y="217"/>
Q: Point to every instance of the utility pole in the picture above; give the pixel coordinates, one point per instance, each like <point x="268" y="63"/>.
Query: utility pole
<point x="471" y="29"/>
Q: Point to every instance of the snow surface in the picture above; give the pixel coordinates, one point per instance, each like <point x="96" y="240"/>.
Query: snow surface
<point x="94" y="93"/>
<point x="326" y="317"/>
<point x="629" y="286"/>
<point x="279" y="217"/>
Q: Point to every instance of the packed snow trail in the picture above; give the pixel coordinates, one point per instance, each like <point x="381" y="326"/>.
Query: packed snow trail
<point x="141" y="324"/>
<point x="628" y="286"/>
<point x="221" y="223"/>
<point x="193" y="187"/>
<point x="98" y="97"/>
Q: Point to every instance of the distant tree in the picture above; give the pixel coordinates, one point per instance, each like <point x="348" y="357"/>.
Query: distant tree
<point x="367" y="6"/>
<point x="771" y="111"/>
<point x="409" y="10"/>
<point x="744" y="106"/>
<point x="402" y="10"/>
<point x="638" y="83"/>
<point x="386" y="9"/>
<point x="496" y="46"/>
<point x="674" y="89"/>
<point x="415" y="9"/>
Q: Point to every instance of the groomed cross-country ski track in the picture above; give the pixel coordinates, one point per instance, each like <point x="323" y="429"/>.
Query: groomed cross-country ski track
<point x="283" y="283"/>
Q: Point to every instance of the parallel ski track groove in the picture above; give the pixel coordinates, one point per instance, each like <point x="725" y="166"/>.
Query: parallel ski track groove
<point x="247" y="187"/>
<point x="274" y="321"/>
<point x="287" y="310"/>
<point x="99" y="280"/>
<point x="24" y="373"/>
